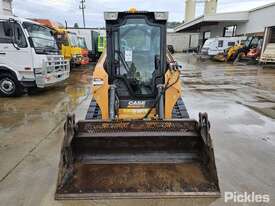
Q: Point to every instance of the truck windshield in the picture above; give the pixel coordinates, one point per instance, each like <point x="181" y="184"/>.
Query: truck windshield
<point x="73" y="39"/>
<point x="137" y="49"/>
<point x="82" y="43"/>
<point x="42" y="38"/>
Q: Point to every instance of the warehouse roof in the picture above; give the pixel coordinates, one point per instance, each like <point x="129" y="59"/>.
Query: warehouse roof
<point x="212" y="20"/>
<point x="241" y="16"/>
<point x="262" y="7"/>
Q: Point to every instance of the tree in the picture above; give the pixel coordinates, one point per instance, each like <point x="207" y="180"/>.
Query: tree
<point x="173" y="24"/>
<point x="76" y="25"/>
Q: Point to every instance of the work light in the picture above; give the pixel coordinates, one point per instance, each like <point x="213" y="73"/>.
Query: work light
<point x="161" y="15"/>
<point x="110" y="16"/>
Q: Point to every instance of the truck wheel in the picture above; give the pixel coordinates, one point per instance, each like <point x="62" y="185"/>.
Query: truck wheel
<point x="9" y="86"/>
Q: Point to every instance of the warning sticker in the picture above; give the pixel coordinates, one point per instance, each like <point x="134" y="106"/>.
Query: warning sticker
<point x="128" y="55"/>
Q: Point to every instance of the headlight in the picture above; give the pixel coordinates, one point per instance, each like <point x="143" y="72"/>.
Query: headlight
<point x="111" y="16"/>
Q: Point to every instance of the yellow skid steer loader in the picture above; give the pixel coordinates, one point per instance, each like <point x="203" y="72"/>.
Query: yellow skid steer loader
<point x="137" y="140"/>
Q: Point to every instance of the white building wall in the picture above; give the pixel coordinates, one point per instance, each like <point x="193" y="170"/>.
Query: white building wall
<point x="259" y="19"/>
<point x="183" y="41"/>
<point x="217" y="30"/>
<point x="5" y="7"/>
<point x="1" y="8"/>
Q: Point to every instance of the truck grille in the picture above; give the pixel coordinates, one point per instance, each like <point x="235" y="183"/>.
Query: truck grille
<point x="56" y="64"/>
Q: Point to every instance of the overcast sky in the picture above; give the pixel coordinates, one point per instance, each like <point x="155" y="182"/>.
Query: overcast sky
<point x="61" y="10"/>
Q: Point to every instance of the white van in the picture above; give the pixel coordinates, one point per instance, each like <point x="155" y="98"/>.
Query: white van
<point x="29" y="57"/>
<point x="218" y="45"/>
<point x="206" y="45"/>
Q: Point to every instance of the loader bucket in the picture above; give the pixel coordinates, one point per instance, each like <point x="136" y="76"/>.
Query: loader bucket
<point x="137" y="159"/>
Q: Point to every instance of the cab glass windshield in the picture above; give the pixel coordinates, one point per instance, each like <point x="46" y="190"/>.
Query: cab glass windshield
<point x="137" y="49"/>
<point x="42" y="38"/>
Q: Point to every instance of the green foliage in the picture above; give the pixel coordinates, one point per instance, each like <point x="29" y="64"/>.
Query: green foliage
<point x="173" y="24"/>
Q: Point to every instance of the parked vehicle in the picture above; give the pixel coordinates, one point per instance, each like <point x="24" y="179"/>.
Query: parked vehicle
<point x="255" y="52"/>
<point x="249" y="48"/>
<point x="220" y="44"/>
<point x="95" y="41"/>
<point x="84" y="50"/>
<point x="206" y="46"/>
<point x="66" y="40"/>
<point x="137" y="140"/>
<point x="101" y="44"/>
<point x="268" y="48"/>
<point x="29" y="57"/>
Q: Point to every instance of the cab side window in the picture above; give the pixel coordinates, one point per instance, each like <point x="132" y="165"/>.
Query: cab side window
<point x="12" y="33"/>
<point x="19" y="36"/>
<point x="5" y="32"/>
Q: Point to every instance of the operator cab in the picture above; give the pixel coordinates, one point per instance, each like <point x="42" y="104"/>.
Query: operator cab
<point x="136" y="53"/>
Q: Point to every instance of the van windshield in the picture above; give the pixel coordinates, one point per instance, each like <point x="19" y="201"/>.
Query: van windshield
<point x="42" y="38"/>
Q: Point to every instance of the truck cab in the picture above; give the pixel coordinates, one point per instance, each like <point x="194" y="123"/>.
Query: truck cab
<point x="101" y="43"/>
<point x="29" y="57"/>
<point x="84" y="50"/>
<point x="68" y="44"/>
<point x="67" y="41"/>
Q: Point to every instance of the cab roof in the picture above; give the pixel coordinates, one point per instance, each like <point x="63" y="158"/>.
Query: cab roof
<point x="16" y="18"/>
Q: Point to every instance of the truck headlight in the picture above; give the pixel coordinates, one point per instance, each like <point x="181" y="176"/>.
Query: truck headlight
<point x="111" y="16"/>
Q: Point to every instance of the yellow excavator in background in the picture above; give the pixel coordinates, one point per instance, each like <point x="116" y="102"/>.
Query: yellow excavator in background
<point x="238" y="51"/>
<point x="137" y="140"/>
<point x="229" y="53"/>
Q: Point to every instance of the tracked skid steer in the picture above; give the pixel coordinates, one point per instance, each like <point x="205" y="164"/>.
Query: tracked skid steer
<point x="137" y="140"/>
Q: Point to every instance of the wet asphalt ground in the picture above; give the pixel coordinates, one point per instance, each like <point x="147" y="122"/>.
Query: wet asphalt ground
<point x="240" y="101"/>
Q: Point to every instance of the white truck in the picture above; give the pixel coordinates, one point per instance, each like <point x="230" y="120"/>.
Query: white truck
<point x="29" y="57"/>
<point x="268" y="48"/>
<point x="218" y="45"/>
